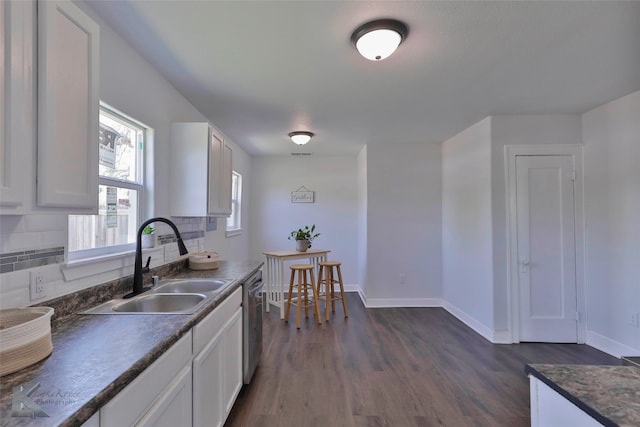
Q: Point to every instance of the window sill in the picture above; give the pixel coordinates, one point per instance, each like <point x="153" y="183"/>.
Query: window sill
<point x="121" y="261"/>
<point x="233" y="232"/>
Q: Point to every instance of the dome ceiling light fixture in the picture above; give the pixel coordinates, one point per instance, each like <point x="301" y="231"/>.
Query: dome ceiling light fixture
<point x="300" y="137"/>
<point x="377" y="40"/>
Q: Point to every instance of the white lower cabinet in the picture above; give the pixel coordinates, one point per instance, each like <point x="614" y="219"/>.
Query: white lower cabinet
<point x="217" y="366"/>
<point x="232" y="357"/>
<point x="94" y="421"/>
<point x="157" y="396"/>
<point x="173" y="408"/>
<point x="194" y="383"/>
<point x="550" y="409"/>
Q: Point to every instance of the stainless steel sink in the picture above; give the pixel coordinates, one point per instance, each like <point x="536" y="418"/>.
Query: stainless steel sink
<point x="160" y="303"/>
<point x="155" y="303"/>
<point x="172" y="296"/>
<point x="183" y="286"/>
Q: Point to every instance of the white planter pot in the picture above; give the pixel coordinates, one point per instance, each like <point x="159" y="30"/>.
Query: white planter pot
<point x="302" y="245"/>
<point x="148" y="241"/>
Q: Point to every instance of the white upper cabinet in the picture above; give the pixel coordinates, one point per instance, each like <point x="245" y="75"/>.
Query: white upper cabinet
<point x="201" y="168"/>
<point x="68" y="107"/>
<point x="15" y="80"/>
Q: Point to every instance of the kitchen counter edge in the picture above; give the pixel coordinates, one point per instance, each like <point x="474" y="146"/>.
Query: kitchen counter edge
<point x="72" y="332"/>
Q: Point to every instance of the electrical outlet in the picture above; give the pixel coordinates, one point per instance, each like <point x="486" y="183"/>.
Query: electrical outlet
<point x="634" y="319"/>
<point x="37" y="285"/>
<point x="403" y="278"/>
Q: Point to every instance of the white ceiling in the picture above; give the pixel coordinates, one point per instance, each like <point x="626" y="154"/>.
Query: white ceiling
<point x="260" y="69"/>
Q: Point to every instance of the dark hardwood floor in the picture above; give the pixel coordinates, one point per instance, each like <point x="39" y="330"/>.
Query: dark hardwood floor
<point x="392" y="367"/>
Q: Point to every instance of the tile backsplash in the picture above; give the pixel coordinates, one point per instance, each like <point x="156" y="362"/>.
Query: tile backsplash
<point x="14" y="257"/>
<point x="39" y="242"/>
<point x="21" y="260"/>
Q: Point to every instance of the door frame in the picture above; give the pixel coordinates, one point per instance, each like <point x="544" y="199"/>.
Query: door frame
<point x="511" y="152"/>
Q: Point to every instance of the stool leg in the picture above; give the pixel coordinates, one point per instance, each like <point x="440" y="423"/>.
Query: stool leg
<point x="286" y="312"/>
<point x="322" y="279"/>
<point x="330" y="290"/>
<point x="327" y="291"/>
<point x="306" y="295"/>
<point x="299" y="306"/>
<point x="332" y="281"/>
<point x="316" y="304"/>
<point x="344" y="301"/>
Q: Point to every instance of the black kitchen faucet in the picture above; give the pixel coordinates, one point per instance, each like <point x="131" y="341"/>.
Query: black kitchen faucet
<point x="138" y="270"/>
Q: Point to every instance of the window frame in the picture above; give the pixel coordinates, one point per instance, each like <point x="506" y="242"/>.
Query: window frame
<point x="236" y="206"/>
<point x="138" y="186"/>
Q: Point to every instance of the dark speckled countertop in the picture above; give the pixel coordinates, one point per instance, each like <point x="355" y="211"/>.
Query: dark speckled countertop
<point x="95" y="356"/>
<point x="610" y="394"/>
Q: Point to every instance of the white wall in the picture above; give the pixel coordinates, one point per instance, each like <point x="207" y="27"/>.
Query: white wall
<point x="362" y="220"/>
<point x="612" y="208"/>
<point x="335" y="211"/>
<point x="474" y="204"/>
<point x="518" y="130"/>
<point x="404" y="225"/>
<point x="467" y="246"/>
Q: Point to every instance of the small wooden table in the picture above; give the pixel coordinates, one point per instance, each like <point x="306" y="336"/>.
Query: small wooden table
<point x="274" y="273"/>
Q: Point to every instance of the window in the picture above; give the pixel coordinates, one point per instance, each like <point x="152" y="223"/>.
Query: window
<point x="234" y="223"/>
<point x="120" y="190"/>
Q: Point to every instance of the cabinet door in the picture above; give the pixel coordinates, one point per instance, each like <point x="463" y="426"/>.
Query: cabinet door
<point x="139" y="397"/>
<point x="94" y="421"/>
<point x="189" y="168"/>
<point x="173" y="408"/>
<point x="232" y="361"/>
<point x="207" y="383"/>
<point x="216" y="147"/>
<point x="549" y="408"/>
<point x="68" y="106"/>
<point x="15" y="48"/>
<point x="226" y="180"/>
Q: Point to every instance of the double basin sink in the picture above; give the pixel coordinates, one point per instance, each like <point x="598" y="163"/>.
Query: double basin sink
<point x="174" y="296"/>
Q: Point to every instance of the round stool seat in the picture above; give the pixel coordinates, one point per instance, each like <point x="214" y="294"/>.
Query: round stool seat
<point x="330" y="263"/>
<point x="301" y="267"/>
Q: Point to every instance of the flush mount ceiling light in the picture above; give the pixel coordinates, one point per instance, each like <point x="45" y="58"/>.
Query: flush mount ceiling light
<point x="300" y="137"/>
<point x="378" y="39"/>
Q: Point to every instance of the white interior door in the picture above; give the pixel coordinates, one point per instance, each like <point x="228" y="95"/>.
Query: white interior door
<point x="546" y="246"/>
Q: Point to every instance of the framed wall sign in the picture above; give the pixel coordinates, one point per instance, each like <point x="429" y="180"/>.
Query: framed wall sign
<point x="302" y="195"/>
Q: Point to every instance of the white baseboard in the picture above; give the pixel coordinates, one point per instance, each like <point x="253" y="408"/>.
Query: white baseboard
<point x="496" y="337"/>
<point x="470" y="321"/>
<point x="274" y="288"/>
<point x="610" y="346"/>
<point x="502" y="336"/>
<point x="402" y="302"/>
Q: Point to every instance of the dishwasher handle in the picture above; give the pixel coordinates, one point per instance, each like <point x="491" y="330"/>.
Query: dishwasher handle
<point x="254" y="281"/>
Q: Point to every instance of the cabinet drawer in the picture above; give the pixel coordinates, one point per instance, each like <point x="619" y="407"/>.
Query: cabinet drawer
<point x="204" y="331"/>
<point x="173" y="407"/>
<point x="135" y="400"/>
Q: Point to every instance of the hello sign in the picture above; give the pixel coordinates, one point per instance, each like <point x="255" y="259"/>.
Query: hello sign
<point x="302" y="195"/>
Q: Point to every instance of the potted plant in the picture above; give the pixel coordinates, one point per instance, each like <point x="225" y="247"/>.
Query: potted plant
<point x="304" y="237"/>
<point x="148" y="239"/>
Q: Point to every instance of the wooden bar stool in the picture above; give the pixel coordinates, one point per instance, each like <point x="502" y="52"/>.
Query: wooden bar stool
<point x="302" y="286"/>
<point x="327" y="278"/>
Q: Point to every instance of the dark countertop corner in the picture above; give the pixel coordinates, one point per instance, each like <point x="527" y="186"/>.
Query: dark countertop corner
<point x="609" y="394"/>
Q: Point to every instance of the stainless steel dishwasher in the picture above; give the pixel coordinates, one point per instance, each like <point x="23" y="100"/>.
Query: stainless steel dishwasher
<point x="252" y="324"/>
